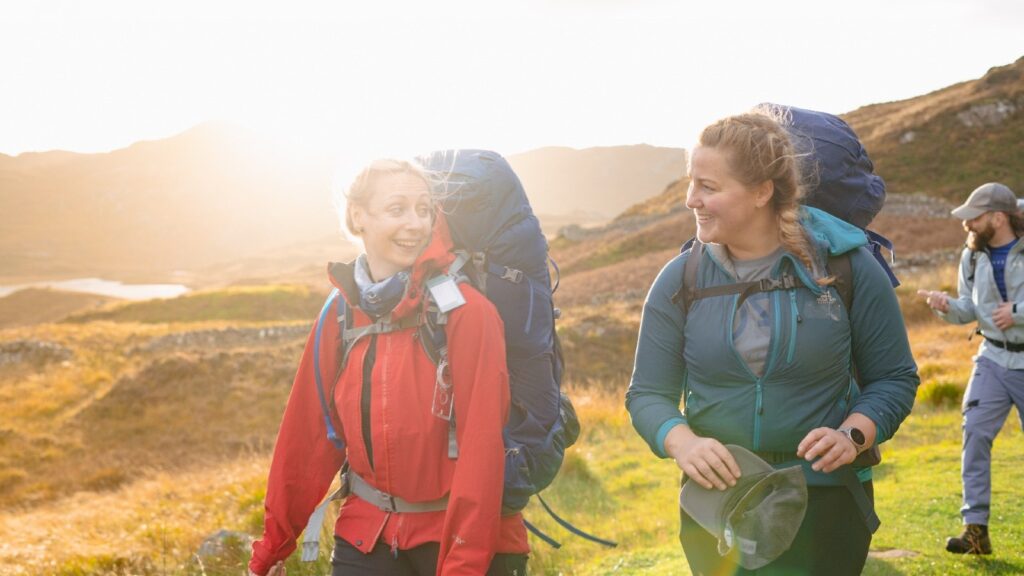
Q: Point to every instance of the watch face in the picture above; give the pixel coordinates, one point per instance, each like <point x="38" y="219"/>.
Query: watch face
<point x="857" y="436"/>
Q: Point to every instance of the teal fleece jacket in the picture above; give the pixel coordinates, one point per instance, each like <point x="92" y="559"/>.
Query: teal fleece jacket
<point x="807" y="380"/>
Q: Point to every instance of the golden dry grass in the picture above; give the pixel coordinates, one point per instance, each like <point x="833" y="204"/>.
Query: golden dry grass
<point x="155" y="522"/>
<point x="123" y="463"/>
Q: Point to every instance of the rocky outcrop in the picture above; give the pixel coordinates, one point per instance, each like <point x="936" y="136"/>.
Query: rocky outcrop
<point x="226" y="338"/>
<point x="34" y="352"/>
<point x="987" y="114"/>
<point x="916" y="206"/>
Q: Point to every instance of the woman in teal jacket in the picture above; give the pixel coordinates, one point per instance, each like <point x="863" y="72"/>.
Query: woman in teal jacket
<point x="771" y="372"/>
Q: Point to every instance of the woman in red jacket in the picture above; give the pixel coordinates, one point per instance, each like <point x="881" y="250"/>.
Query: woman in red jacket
<point x="421" y="510"/>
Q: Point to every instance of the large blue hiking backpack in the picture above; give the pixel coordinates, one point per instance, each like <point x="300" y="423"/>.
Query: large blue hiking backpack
<point x="501" y="250"/>
<point x="494" y="228"/>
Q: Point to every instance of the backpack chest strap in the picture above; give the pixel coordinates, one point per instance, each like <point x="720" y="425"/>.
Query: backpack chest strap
<point x="390" y="503"/>
<point x="382" y="326"/>
<point x="744" y="289"/>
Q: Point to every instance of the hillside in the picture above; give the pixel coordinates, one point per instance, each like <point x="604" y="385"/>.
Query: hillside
<point x="208" y="195"/>
<point x="38" y="306"/>
<point x="217" y="204"/>
<point x="949" y="141"/>
<point x="932" y="151"/>
<point x="596" y="181"/>
<point x="128" y="444"/>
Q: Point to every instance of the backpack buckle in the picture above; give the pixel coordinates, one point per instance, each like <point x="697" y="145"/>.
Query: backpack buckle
<point x="512" y="275"/>
<point x="385" y="501"/>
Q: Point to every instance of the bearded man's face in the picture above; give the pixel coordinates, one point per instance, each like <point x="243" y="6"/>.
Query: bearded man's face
<point x="979" y="231"/>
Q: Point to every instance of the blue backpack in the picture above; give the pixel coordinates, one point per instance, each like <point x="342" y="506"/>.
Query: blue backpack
<point x="501" y="251"/>
<point x="843" y="182"/>
<point x="494" y="229"/>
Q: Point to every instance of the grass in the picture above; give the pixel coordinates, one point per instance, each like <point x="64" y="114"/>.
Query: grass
<point x="122" y="463"/>
<point x="245" y="303"/>
<point x="93" y="422"/>
<point x="611" y="485"/>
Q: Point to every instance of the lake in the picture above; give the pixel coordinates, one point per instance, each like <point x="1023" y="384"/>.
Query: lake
<point x="103" y="287"/>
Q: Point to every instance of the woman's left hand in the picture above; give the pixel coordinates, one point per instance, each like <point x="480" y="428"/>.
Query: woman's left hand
<point x="831" y="448"/>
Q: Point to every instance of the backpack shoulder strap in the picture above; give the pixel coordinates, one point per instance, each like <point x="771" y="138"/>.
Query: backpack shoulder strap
<point x="687" y="292"/>
<point x="973" y="265"/>
<point x="325" y="406"/>
<point x="841" y="268"/>
<point x="434" y="339"/>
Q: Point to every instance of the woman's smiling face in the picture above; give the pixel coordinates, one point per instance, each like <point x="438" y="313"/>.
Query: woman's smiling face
<point x="723" y="206"/>
<point x="395" y="224"/>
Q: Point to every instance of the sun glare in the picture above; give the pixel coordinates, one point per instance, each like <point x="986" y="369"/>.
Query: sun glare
<point x="409" y="75"/>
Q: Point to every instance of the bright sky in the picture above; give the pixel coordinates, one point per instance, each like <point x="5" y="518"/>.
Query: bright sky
<point x="512" y="75"/>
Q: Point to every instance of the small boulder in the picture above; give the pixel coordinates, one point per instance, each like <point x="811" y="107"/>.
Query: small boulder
<point x="222" y="543"/>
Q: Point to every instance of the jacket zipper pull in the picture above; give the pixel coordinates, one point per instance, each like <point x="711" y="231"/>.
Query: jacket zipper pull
<point x="394" y="546"/>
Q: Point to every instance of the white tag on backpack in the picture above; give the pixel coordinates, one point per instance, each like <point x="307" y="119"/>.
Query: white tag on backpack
<point x="446" y="293"/>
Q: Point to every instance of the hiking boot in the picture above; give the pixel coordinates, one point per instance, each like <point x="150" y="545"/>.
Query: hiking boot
<point x="974" y="540"/>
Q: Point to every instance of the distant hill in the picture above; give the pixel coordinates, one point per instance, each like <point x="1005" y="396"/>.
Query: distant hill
<point x="39" y="306"/>
<point x="601" y="181"/>
<point x="211" y="194"/>
<point x="949" y="141"/>
<point x="215" y="198"/>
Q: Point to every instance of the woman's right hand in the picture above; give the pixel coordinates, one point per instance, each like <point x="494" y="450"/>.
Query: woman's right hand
<point x="705" y="460"/>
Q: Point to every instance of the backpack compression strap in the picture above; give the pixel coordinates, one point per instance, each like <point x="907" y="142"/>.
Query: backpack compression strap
<point x="435" y="344"/>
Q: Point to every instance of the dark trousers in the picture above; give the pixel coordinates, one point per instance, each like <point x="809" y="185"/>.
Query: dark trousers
<point x="419" y="561"/>
<point x="833" y="540"/>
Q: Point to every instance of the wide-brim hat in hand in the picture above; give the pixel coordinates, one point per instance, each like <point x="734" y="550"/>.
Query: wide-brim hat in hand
<point x="759" y="516"/>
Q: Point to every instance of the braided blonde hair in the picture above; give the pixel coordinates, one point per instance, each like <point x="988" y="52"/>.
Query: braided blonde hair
<point x="759" y="149"/>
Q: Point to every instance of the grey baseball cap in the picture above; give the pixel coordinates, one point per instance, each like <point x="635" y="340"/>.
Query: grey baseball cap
<point x="991" y="197"/>
<point x="759" y="516"/>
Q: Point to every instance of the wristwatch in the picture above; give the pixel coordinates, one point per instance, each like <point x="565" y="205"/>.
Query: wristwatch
<point x="855" y="436"/>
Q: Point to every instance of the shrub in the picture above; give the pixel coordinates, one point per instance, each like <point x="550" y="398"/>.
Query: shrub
<point x="941" y="393"/>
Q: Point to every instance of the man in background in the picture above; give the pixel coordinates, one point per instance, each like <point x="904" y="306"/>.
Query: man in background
<point x="991" y="292"/>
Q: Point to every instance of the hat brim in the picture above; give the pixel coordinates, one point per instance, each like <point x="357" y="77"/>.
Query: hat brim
<point x="706" y="506"/>
<point x="766" y="520"/>
<point x="967" y="212"/>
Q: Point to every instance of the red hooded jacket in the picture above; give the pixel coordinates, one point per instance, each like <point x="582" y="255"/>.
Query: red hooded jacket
<point x="409" y="444"/>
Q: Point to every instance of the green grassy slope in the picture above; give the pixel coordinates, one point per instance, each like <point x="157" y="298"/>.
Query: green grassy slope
<point x="247" y="303"/>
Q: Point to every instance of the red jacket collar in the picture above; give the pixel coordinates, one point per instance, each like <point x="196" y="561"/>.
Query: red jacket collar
<point x="436" y="258"/>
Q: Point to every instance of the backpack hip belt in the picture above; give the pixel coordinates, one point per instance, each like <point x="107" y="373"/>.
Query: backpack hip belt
<point x="390" y="503"/>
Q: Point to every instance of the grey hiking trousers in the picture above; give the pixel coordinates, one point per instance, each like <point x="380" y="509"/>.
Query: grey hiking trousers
<point x="990" y="394"/>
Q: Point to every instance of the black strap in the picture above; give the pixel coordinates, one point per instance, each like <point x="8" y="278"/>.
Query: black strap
<point x="685" y="296"/>
<point x="1011" y="346"/>
<point x="689" y="292"/>
<point x="867" y="509"/>
<point x="974" y="264"/>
